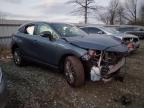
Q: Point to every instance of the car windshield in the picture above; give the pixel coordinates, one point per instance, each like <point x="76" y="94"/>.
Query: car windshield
<point x="111" y="30"/>
<point x="66" y="30"/>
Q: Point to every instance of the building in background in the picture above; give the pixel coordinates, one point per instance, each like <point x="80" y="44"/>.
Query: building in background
<point x="7" y="27"/>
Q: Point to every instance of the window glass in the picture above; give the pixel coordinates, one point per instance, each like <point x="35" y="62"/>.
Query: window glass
<point x="44" y="28"/>
<point x="66" y="30"/>
<point x="30" y="30"/>
<point x="93" y="30"/>
<point x="85" y="29"/>
<point x="111" y="30"/>
<point x="21" y="29"/>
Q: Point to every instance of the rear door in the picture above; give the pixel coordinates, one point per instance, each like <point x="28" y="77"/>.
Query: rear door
<point x="28" y="41"/>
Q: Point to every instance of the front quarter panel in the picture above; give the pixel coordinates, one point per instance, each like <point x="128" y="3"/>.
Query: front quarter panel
<point x="66" y="48"/>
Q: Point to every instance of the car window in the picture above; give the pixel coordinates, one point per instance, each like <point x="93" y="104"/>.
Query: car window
<point x="93" y="30"/>
<point x="111" y="30"/>
<point x="85" y="29"/>
<point x="66" y="30"/>
<point x="21" y="29"/>
<point x="44" y="28"/>
<point x="30" y="30"/>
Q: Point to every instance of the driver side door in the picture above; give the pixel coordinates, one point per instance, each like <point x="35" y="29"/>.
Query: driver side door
<point x="47" y="49"/>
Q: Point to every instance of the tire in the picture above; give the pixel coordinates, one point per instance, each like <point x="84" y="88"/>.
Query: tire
<point x="74" y="71"/>
<point x="17" y="57"/>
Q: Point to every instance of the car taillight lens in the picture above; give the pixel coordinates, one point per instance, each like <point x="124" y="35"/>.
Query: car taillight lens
<point x="130" y="45"/>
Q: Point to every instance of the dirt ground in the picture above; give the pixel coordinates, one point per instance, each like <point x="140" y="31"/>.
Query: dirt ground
<point x="36" y="86"/>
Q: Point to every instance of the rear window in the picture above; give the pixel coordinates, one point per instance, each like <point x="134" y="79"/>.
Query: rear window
<point x="27" y="29"/>
<point x="30" y="30"/>
<point x="21" y="29"/>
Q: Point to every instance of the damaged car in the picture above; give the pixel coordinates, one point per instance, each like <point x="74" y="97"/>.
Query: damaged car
<point x="134" y="30"/>
<point x="69" y="49"/>
<point x="132" y="41"/>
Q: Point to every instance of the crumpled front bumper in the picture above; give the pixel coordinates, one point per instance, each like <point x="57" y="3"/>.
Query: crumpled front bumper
<point x="95" y="72"/>
<point x="116" y="67"/>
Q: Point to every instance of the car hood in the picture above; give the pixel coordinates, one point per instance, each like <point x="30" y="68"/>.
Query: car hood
<point x="97" y="42"/>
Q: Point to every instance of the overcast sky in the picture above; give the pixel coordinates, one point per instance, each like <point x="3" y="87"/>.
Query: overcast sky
<point x="49" y="10"/>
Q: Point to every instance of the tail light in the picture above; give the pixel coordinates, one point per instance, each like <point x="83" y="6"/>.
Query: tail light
<point x="130" y="45"/>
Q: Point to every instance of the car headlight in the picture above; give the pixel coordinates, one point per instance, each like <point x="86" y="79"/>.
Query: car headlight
<point x="89" y="54"/>
<point x="0" y="75"/>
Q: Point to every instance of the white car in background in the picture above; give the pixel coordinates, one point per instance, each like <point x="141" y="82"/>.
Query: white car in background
<point x="130" y="40"/>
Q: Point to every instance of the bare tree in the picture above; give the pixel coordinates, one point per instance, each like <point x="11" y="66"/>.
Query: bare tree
<point x="113" y="10"/>
<point x="121" y="14"/>
<point x="109" y="16"/>
<point x="131" y="10"/>
<point x="104" y="17"/>
<point x="84" y="7"/>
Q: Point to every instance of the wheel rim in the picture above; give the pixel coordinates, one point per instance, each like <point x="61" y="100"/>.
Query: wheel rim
<point x="69" y="72"/>
<point x="16" y="58"/>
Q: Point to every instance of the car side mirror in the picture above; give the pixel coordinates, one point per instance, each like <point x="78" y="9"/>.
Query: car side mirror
<point x="47" y="34"/>
<point x="100" y="32"/>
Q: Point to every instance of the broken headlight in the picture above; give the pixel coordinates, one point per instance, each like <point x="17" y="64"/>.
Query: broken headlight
<point x="90" y="54"/>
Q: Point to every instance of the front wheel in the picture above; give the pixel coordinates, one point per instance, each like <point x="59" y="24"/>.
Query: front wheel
<point x="17" y="57"/>
<point x="74" y="71"/>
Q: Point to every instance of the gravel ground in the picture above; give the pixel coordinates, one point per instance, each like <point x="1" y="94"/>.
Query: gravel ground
<point x="37" y="86"/>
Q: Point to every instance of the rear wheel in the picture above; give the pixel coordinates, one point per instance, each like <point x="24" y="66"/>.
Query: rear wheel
<point x="74" y="71"/>
<point x="17" y="57"/>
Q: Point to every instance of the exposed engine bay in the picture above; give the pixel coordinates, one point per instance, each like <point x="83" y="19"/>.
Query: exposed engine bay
<point x="103" y="64"/>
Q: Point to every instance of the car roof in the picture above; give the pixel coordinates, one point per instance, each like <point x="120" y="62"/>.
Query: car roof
<point x="44" y="22"/>
<point x="39" y="22"/>
<point x="93" y="26"/>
